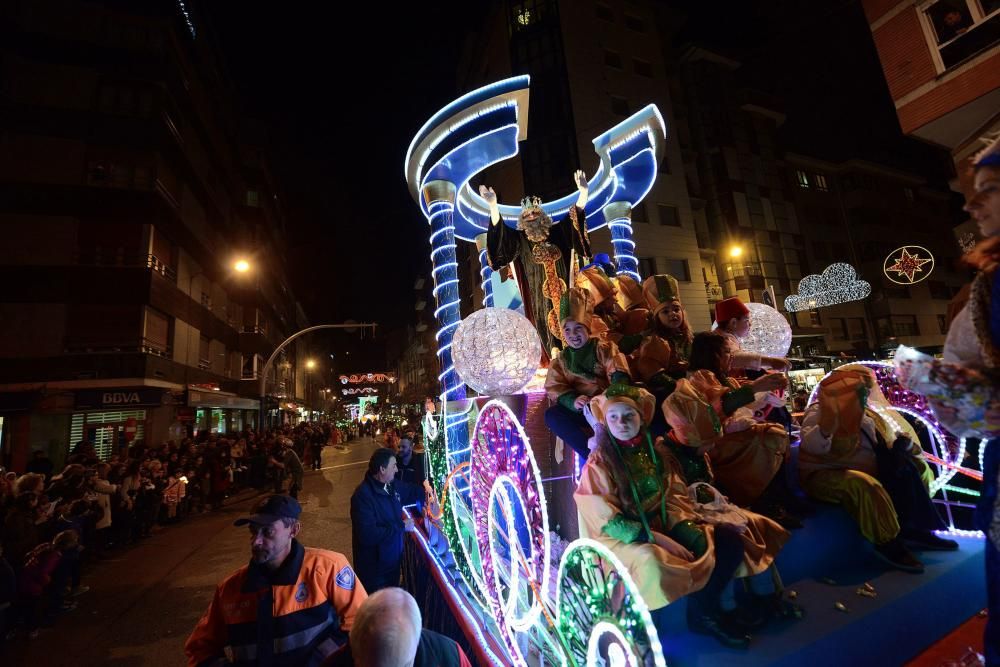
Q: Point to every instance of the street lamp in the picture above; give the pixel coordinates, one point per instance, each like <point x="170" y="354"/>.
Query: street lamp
<point x="241" y="266"/>
<point x="310" y="364"/>
<point x="735" y="251"/>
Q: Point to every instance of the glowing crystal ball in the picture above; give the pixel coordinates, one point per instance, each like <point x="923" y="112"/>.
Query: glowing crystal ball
<point x="496" y="351"/>
<point x="770" y="333"/>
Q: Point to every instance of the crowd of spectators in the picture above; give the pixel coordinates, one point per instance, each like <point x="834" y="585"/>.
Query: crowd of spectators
<point x="55" y="523"/>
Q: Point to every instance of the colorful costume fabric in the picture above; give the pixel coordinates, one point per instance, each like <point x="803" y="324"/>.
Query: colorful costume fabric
<point x="584" y="372"/>
<point x="745" y="457"/>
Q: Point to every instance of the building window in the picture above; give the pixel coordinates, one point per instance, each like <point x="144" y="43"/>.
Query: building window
<point x="639" y="213"/>
<point x="814" y="319"/>
<point x="605" y="14"/>
<point x="960" y="29"/>
<point x="612" y="59"/>
<point x="642" y="68"/>
<point x="678" y="268"/>
<point x="634" y="23"/>
<point x="802" y="178"/>
<point x="619" y="105"/>
<point x="856" y="329"/>
<point x="820" y="181"/>
<point x="253" y="198"/>
<point x="942" y="324"/>
<point x="819" y="250"/>
<point x="909" y="191"/>
<point x="647" y="267"/>
<point x="905" y="325"/>
<point x="838" y="329"/>
<point x="669" y="215"/>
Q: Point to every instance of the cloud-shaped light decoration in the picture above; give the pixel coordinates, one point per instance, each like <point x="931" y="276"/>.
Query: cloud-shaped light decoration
<point x="770" y="333"/>
<point x="838" y="283"/>
<point x="496" y="351"/>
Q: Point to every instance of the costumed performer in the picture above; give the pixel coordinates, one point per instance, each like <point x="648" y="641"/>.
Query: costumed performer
<point x="695" y="430"/>
<point x="620" y="324"/>
<point x="732" y="318"/>
<point x="857" y="452"/>
<point x="540" y="251"/>
<point x="974" y="341"/>
<point x="749" y="459"/>
<point x="585" y="367"/>
<point x="632" y="499"/>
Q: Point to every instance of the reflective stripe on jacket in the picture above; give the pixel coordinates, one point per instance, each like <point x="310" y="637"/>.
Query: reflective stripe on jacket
<point x="297" y="615"/>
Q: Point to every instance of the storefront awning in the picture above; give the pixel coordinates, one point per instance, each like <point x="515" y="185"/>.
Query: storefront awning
<point x="220" y="399"/>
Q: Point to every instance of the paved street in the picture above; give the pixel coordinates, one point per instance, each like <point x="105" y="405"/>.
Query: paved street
<point x="144" y="602"/>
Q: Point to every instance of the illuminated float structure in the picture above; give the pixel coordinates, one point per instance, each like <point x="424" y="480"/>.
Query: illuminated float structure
<point x="496" y="562"/>
<point x="495" y="556"/>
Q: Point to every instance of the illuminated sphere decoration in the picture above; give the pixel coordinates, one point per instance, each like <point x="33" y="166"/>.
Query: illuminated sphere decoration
<point x="770" y="334"/>
<point x="496" y="351"/>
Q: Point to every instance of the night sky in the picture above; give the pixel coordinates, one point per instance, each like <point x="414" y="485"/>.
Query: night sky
<point x="343" y="87"/>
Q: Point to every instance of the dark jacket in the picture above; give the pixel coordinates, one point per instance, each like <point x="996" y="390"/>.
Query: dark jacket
<point x="412" y="472"/>
<point x="377" y="526"/>
<point x="434" y="650"/>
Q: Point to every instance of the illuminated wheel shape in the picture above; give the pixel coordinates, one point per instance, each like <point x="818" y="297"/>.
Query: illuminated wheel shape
<point x="602" y="617"/>
<point x="511" y="525"/>
<point x="942" y="444"/>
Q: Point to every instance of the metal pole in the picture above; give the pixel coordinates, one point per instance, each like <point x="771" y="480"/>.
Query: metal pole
<point x="277" y="350"/>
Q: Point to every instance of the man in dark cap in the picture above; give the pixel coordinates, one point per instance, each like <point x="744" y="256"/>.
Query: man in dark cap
<point x="290" y="606"/>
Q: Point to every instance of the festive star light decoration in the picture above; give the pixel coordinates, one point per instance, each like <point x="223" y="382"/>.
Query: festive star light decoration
<point x="909" y="265"/>
<point x="837" y="284"/>
<point x="770" y="334"/>
<point x="362" y="378"/>
<point x="496" y="351"/>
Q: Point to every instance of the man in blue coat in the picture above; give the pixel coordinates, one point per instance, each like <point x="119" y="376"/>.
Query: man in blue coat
<point x="378" y="522"/>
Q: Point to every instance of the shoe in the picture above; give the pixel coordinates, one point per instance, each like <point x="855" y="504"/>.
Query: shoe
<point x="721" y="627"/>
<point x="748" y="617"/>
<point x="80" y="590"/>
<point x="894" y="554"/>
<point x="777" y="607"/>
<point x="926" y="540"/>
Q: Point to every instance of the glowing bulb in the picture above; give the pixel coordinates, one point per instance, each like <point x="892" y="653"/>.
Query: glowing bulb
<point x="735" y="251"/>
<point x="310" y="364"/>
<point x="242" y="266"/>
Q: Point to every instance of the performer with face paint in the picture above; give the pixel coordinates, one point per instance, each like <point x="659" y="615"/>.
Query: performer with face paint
<point x="633" y="499"/>
<point x="585" y="367"/>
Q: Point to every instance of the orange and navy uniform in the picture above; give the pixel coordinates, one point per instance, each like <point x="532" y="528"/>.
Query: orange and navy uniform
<point x="296" y="615"/>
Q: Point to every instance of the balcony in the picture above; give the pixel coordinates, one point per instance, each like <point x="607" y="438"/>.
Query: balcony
<point x="100" y="256"/>
<point x="75" y="345"/>
<point x="713" y="291"/>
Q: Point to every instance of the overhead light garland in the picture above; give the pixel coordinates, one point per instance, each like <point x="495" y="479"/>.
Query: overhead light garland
<point x="365" y="378"/>
<point x="839" y="283"/>
<point x="909" y="265"/>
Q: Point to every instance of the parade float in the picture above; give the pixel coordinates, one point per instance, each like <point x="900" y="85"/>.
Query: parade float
<point x="503" y="564"/>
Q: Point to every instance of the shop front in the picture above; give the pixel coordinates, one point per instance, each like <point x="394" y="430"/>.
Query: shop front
<point x="111" y="419"/>
<point x="220" y="412"/>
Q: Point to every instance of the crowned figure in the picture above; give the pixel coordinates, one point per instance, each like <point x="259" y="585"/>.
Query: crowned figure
<point x="539" y="252"/>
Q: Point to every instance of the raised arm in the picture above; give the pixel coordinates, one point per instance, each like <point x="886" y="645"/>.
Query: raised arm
<point x="580" y="179"/>
<point x="491" y="199"/>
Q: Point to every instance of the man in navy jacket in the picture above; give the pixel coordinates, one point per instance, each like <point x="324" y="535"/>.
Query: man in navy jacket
<point x="377" y="521"/>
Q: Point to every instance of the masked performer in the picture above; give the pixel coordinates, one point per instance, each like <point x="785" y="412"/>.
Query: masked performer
<point x="540" y="251"/>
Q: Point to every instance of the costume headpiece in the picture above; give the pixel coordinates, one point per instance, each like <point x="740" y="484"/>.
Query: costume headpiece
<point x="630" y="293"/>
<point x="659" y="291"/>
<point x="530" y="202"/>
<point x="727" y="309"/>
<point x="576" y="304"/>
<point x="989" y="156"/>
<point x="594" y="281"/>
<point x="641" y="400"/>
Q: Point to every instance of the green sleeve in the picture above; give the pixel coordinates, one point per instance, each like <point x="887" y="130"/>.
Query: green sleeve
<point x="627" y="344"/>
<point x="620" y="528"/>
<point x="567" y="399"/>
<point x="736" y="399"/>
<point x="620" y="377"/>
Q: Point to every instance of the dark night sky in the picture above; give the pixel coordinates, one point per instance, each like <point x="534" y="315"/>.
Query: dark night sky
<point x="336" y="81"/>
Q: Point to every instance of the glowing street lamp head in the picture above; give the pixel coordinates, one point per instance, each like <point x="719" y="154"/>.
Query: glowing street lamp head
<point x="310" y="364"/>
<point x="241" y="266"/>
<point x="735" y="251"/>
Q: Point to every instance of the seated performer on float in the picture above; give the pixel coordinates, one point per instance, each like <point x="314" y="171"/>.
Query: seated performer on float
<point x="618" y="318"/>
<point x="695" y="430"/>
<point x="860" y="454"/>
<point x="732" y="319"/>
<point x="749" y="458"/>
<point x="633" y="499"/>
<point x="540" y="251"/>
<point x="585" y="367"/>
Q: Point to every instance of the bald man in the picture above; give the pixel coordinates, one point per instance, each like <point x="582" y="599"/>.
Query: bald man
<point x="387" y="632"/>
